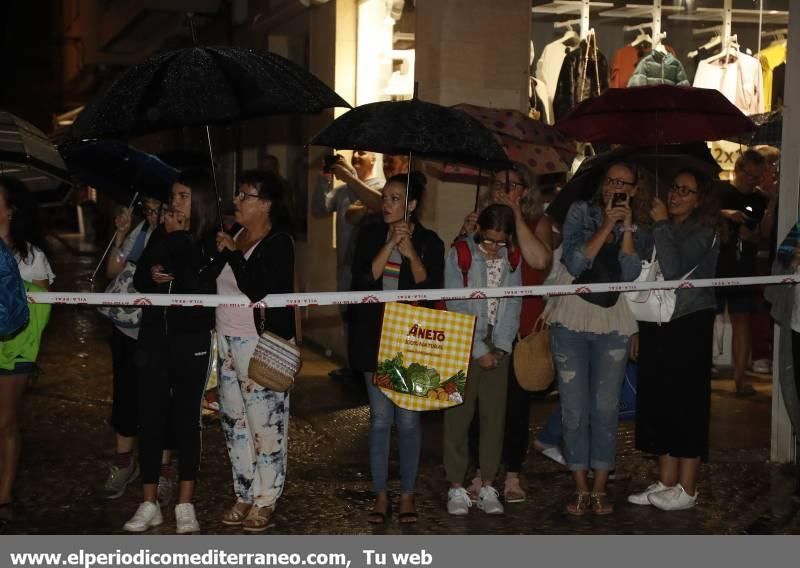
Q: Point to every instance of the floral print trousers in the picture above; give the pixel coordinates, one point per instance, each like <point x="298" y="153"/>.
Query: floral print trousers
<point x="256" y="425"/>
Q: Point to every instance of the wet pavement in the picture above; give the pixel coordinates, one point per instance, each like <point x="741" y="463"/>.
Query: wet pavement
<point x="67" y="439"/>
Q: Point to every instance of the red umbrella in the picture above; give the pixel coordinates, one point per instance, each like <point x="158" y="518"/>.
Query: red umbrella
<point x="661" y="114"/>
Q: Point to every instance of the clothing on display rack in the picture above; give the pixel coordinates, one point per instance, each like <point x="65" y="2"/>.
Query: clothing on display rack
<point x="770" y="58"/>
<point x="740" y="80"/>
<point x="537" y="98"/>
<point x="584" y="74"/>
<point x="549" y="66"/>
<point x="778" y="82"/>
<point x="625" y="61"/>
<point x="659" y="68"/>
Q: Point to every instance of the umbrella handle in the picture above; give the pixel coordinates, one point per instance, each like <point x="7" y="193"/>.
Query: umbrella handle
<point x="478" y="191"/>
<point x="108" y="246"/>
<point x="408" y="188"/>
<point x="214" y="176"/>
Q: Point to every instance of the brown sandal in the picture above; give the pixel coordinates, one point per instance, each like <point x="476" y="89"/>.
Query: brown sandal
<point x="234" y="516"/>
<point x="579" y="506"/>
<point x="600" y="504"/>
<point x="258" y="519"/>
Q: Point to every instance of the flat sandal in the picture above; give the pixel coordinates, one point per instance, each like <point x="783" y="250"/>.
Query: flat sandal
<point x="257" y="519"/>
<point x="579" y="505"/>
<point x="600" y="504"/>
<point x="236" y="515"/>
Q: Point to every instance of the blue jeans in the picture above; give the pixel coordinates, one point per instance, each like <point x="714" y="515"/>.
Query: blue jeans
<point x="553" y="433"/>
<point x="590" y="368"/>
<point x="382" y="414"/>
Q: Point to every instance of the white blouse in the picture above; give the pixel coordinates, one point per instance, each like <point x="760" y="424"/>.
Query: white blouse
<point x="35" y="267"/>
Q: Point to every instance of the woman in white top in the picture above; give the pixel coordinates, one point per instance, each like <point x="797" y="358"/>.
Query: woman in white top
<point x="20" y="231"/>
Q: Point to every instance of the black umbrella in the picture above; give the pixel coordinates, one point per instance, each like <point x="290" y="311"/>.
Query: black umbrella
<point x="769" y="130"/>
<point x="118" y="170"/>
<point x="27" y="154"/>
<point x="664" y="161"/>
<point x="425" y="130"/>
<point x="199" y="86"/>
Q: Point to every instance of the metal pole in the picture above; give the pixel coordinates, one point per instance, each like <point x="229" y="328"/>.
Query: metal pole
<point x="656" y="29"/>
<point x="585" y="8"/>
<point x="726" y="22"/>
<point x="108" y="247"/>
<point x="408" y="187"/>
<point x="760" y="22"/>
<point x="478" y="190"/>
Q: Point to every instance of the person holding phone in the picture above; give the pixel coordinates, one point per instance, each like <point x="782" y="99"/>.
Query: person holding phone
<point x="175" y="344"/>
<point x="604" y="240"/>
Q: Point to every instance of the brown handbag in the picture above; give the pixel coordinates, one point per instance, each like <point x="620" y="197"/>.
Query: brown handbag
<point x="533" y="360"/>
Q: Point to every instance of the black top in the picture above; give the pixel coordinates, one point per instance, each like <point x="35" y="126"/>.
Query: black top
<point x="191" y="265"/>
<point x="738" y="257"/>
<point x="365" y="319"/>
<point x="269" y="270"/>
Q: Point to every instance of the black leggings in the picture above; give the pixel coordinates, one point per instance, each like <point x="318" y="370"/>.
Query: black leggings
<point x="173" y="377"/>
<point x="125" y="398"/>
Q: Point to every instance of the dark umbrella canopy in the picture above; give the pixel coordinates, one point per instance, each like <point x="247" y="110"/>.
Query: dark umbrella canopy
<point x="118" y="170"/>
<point x="769" y="130"/>
<point x="27" y="154"/>
<point x="661" y="114"/>
<point x="425" y="130"/>
<point x="663" y="162"/>
<point x="199" y="86"/>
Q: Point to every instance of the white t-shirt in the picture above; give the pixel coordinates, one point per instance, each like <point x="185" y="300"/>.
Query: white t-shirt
<point x="35" y="266"/>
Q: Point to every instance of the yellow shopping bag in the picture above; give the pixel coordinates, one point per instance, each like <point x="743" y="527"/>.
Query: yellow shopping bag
<point x="424" y="356"/>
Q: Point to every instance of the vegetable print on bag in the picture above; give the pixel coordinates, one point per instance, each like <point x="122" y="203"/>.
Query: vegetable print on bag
<point x="424" y="356"/>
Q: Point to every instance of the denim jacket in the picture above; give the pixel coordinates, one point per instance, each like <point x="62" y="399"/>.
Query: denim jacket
<point x="583" y="220"/>
<point x="508" y="309"/>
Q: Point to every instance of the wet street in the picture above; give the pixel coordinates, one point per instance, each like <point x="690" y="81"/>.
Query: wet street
<point x="67" y="439"/>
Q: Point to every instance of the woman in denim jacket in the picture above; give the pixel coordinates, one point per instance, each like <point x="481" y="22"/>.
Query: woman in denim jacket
<point x="497" y="323"/>
<point x="590" y="342"/>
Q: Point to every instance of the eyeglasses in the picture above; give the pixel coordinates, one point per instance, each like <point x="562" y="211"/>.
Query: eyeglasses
<point x="152" y="210"/>
<point x="512" y="185"/>
<point x="682" y="190"/>
<point x="241" y="196"/>
<point x="491" y="242"/>
<point x="618" y="183"/>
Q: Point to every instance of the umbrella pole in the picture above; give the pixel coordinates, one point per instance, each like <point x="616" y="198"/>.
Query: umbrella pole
<point x="408" y="188"/>
<point x="214" y="177"/>
<point x="108" y="246"/>
<point x="478" y="190"/>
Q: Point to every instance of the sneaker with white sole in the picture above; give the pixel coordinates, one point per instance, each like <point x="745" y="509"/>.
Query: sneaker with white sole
<point x="148" y="515"/>
<point x="642" y="498"/>
<point x="458" y="501"/>
<point x="118" y="480"/>
<point x="673" y="499"/>
<point x="165" y="490"/>
<point x="185" y="519"/>
<point x="475" y="487"/>
<point x="762" y="366"/>
<point x="489" y="501"/>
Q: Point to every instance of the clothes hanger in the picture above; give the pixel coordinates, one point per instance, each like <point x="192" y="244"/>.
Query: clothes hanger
<point x="643" y="37"/>
<point x="713" y="42"/>
<point x="730" y="50"/>
<point x="570" y="36"/>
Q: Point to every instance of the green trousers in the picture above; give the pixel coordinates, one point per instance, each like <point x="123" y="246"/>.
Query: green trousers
<point x="489" y="386"/>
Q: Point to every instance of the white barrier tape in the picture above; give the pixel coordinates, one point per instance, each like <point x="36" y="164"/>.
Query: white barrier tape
<point x="342" y="298"/>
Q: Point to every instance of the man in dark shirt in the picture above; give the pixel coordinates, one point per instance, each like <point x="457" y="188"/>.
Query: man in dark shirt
<point x="742" y="210"/>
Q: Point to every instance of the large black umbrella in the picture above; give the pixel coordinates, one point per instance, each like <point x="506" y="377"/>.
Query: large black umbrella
<point x="120" y="171"/>
<point x="769" y="130"/>
<point x="197" y="86"/>
<point x="664" y="162"/>
<point x="424" y="130"/>
<point x="27" y="154"/>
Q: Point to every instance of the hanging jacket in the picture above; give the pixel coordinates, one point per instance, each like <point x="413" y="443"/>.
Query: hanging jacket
<point x="584" y="74"/>
<point x="659" y="68"/>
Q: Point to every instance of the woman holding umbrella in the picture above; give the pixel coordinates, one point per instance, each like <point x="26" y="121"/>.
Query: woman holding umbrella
<point x="174" y="344"/>
<point x="392" y="255"/>
<point x="591" y="332"/>
<point x="673" y="398"/>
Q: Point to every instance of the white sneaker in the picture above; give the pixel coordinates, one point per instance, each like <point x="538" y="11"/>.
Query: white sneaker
<point x="489" y="501"/>
<point x="474" y="488"/>
<point x="458" y="501"/>
<point x="185" y="519"/>
<point x="673" y="499"/>
<point x="147" y="515"/>
<point x="642" y="498"/>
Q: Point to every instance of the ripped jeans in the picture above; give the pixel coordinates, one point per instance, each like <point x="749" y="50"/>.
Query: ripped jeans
<point x="591" y="368"/>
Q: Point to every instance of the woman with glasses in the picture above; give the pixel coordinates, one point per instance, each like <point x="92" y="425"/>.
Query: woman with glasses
<point x="396" y="254"/>
<point x="496" y="326"/>
<point x="257" y="259"/>
<point x="128" y="246"/>
<point x="533" y="233"/>
<point x="590" y="333"/>
<point x="673" y="398"/>
<point x="174" y="345"/>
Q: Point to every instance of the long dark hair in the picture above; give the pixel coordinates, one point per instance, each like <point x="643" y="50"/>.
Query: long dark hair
<point x="25" y="229"/>
<point x="205" y="217"/>
<point x="707" y="211"/>
<point x="416" y="183"/>
<point x="272" y="187"/>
